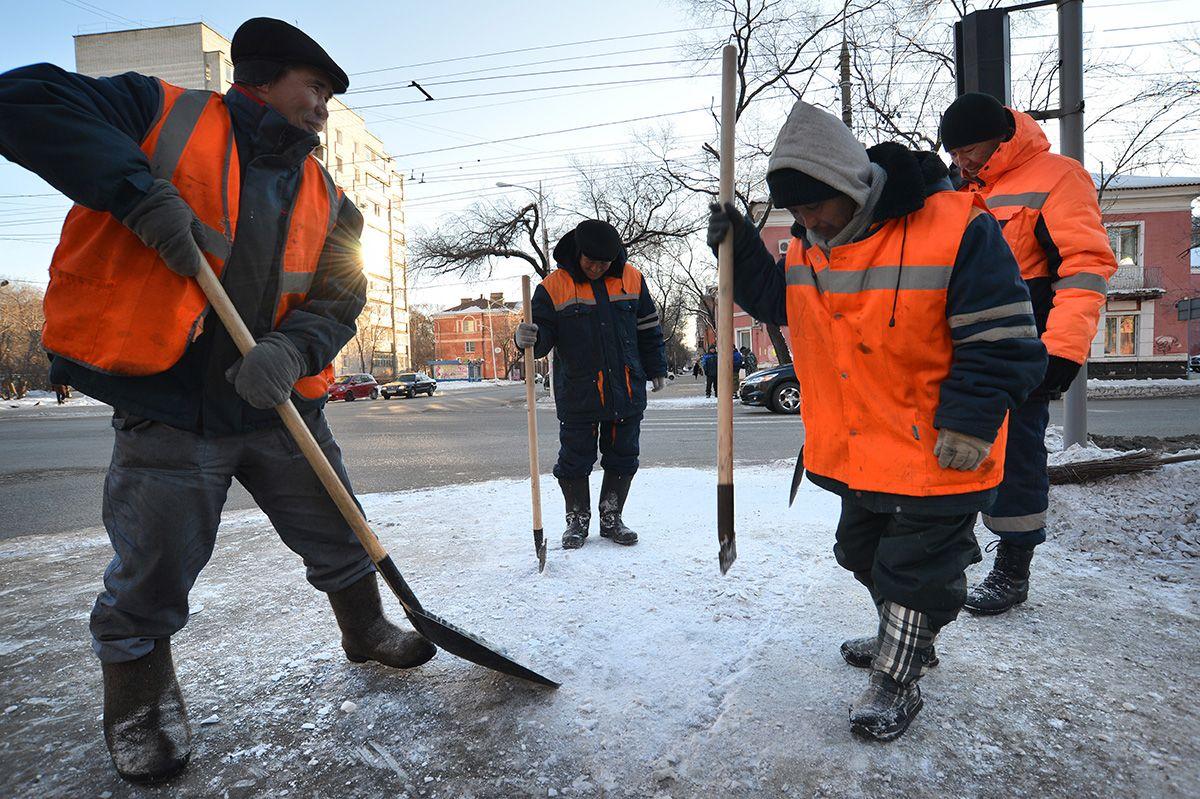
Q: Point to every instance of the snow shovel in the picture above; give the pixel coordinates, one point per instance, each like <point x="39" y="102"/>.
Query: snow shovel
<point x="439" y="631"/>
<point x="539" y="537"/>
<point x="725" y="534"/>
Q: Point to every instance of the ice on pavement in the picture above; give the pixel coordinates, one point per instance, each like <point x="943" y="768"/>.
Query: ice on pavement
<point x="676" y="681"/>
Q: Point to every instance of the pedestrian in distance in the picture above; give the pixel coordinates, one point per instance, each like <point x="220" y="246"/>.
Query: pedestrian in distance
<point x="709" y="363"/>
<point x="913" y="339"/>
<point x="696" y="370"/>
<point x="749" y="361"/>
<point x="162" y="178"/>
<point x="594" y="311"/>
<point x="1047" y="206"/>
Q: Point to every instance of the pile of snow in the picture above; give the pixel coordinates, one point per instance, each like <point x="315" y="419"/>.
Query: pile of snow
<point x="1133" y="389"/>
<point x="459" y="385"/>
<point x="45" y="400"/>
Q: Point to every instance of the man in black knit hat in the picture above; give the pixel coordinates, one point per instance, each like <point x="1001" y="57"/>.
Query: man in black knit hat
<point x="595" y="312"/>
<point x="1046" y="204"/>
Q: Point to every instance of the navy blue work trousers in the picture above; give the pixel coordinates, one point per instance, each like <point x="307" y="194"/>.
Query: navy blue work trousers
<point x="1019" y="513"/>
<point x="618" y="440"/>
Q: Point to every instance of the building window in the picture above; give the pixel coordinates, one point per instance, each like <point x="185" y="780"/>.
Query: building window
<point x="1120" y="334"/>
<point x="468" y="325"/>
<point x="319" y="152"/>
<point x="339" y="163"/>
<point x="339" y="136"/>
<point x="1125" y="242"/>
<point x="470" y="348"/>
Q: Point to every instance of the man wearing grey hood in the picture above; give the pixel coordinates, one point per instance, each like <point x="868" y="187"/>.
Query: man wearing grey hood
<point x="913" y="337"/>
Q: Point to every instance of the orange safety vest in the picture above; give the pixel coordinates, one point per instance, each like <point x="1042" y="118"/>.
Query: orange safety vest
<point x="114" y="306"/>
<point x="869" y="387"/>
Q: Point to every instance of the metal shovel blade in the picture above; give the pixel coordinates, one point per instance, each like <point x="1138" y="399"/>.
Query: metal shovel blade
<point x="454" y="640"/>
<point x="539" y="546"/>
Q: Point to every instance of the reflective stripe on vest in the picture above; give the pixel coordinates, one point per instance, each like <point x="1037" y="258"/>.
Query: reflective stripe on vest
<point x="112" y="304"/>
<point x="872" y="346"/>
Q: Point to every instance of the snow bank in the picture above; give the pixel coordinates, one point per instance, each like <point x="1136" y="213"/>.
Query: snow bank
<point x="1133" y="389"/>
<point x="45" y="400"/>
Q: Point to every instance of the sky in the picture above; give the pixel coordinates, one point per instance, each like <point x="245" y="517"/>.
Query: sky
<point x="448" y="147"/>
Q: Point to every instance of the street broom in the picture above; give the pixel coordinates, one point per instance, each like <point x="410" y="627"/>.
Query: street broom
<point x="439" y="631"/>
<point x="1141" y="460"/>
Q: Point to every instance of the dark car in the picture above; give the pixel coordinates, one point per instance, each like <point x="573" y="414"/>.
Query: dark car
<point x="409" y="384"/>
<point x="352" y="387"/>
<point x="776" y="388"/>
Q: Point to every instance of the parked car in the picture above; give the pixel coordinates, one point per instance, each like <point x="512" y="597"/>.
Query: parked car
<point x="776" y="388"/>
<point x="409" y="384"/>
<point x="1194" y="363"/>
<point x="352" y="387"/>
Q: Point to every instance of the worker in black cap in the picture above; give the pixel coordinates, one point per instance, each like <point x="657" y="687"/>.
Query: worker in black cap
<point x="595" y="312"/>
<point x="158" y="187"/>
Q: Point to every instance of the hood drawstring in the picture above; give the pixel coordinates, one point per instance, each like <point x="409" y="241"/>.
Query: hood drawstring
<point x="899" y="272"/>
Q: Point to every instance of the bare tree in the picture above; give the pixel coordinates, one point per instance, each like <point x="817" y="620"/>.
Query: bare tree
<point x="23" y="363"/>
<point x="421" y="342"/>
<point x="367" y="335"/>
<point x="470" y="243"/>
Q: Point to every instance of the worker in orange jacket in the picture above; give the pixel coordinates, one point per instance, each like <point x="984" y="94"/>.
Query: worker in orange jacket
<point x="164" y="179"/>
<point x="1047" y="206"/>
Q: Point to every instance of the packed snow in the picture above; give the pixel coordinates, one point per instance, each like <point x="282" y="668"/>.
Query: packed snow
<point x="45" y="400"/>
<point x="675" y="681"/>
<point x="1135" y="389"/>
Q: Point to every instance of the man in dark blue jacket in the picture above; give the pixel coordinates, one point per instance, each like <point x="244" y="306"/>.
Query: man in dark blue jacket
<point x="709" y="363"/>
<point x="596" y="314"/>
<point x="185" y="433"/>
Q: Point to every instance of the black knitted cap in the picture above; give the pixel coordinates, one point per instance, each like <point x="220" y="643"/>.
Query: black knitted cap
<point x="598" y="240"/>
<point x="792" y="187"/>
<point x="972" y="118"/>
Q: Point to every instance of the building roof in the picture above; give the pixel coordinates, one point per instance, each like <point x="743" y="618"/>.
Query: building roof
<point x="1129" y="182"/>
<point x="469" y="306"/>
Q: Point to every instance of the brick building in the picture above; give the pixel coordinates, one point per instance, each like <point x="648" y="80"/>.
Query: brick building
<point x="1149" y="222"/>
<point x="478" y="333"/>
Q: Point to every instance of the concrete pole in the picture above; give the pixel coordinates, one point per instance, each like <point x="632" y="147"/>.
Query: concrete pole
<point x="1070" y="128"/>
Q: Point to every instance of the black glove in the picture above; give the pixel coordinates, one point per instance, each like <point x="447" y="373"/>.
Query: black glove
<point x="719" y="223"/>
<point x="264" y="378"/>
<point x="1059" y="374"/>
<point x="162" y="219"/>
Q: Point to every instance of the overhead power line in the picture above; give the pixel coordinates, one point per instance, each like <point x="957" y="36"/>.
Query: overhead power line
<point x="537" y="48"/>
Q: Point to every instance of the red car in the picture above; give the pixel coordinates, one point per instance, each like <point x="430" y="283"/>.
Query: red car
<point x="352" y="387"/>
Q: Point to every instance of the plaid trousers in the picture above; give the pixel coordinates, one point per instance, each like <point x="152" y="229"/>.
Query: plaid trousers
<point x="905" y="643"/>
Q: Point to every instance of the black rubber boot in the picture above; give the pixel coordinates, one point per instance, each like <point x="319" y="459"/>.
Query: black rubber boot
<point x="578" y="497"/>
<point x="859" y="652"/>
<point x="1006" y="585"/>
<point x="145" y="722"/>
<point x="885" y="709"/>
<point x="368" y="635"/>
<point x="613" y="492"/>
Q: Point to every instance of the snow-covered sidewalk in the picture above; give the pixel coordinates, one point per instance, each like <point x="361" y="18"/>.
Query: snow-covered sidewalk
<point x="1137" y="389"/>
<point x="676" y="681"/>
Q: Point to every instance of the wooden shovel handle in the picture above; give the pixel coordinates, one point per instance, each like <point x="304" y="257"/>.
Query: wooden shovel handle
<point x="531" y="404"/>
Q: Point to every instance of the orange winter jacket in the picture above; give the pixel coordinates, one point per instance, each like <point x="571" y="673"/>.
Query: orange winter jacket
<point x="872" y="346"/>
<point x="114" y="306"/>
<point x="1046" y="204"/>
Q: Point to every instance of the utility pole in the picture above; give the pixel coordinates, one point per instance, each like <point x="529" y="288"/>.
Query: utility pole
<point x="1070" y="129"/>
<point x="844" y="80"/>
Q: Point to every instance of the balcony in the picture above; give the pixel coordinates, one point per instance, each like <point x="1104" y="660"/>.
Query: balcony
<point x="1135" y="282"/>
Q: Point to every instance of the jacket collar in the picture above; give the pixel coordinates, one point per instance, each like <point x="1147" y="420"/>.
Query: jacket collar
<point x="566" y="255"/>
<point x="264" y="131"/>
<point x="1028" y="141"/>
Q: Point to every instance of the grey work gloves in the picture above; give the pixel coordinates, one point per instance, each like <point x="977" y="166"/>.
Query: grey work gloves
<point x="526" y="335"/>
<point x="163" y="220"/>
<point x="264" y="378"/>
<point x="960" y="451"/>
<point x="720" y="221"/>
<point x="657" y="383"/>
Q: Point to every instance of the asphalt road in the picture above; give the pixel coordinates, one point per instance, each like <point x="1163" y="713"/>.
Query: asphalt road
<point x="52" y="465"/>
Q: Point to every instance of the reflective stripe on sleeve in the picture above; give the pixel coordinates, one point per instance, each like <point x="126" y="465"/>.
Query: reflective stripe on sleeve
<point x="1026" y="199"/>
<point x="988" y="314"/>
<point x="1000" y="334"/>
<point x="1082" y="280"/>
